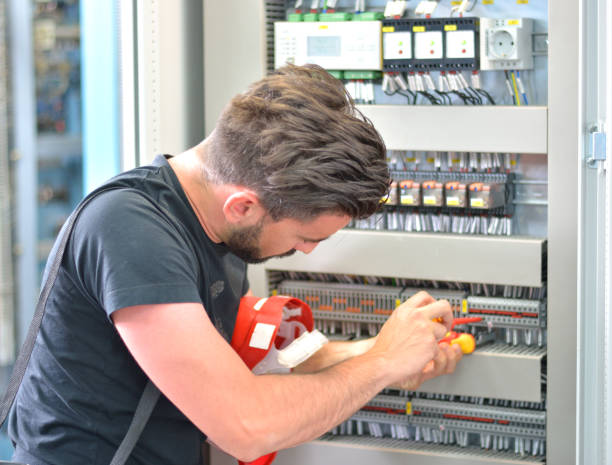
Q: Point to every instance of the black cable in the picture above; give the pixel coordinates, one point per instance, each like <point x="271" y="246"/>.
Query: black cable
<point x="445" y="97"/>
<point x="487" y="95"/>
<point x="433" y="100"/>
<point x="409" y="95"/>
<point x="471" y="91"/>
<point x="466" y="99"/>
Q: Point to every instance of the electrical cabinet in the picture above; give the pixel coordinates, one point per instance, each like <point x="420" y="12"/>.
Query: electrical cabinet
<point x="548" y="254"/>
<point x="548" y="212"/>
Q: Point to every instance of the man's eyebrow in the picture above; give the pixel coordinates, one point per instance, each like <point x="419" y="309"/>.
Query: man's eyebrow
<point x="306" y="239"/>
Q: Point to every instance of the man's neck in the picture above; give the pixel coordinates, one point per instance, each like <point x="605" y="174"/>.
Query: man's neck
<point x="189" y="169"/>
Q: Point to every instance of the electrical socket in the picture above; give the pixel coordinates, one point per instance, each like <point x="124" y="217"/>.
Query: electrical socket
<point x="506" y="44"/>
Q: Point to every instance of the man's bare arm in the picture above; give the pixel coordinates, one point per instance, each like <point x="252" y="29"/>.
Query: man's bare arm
<point x="248" y="416"/>
<point x="334" y="352"/>
<point x="338" y="351"/>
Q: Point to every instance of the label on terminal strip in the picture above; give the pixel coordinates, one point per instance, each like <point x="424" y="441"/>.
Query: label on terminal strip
<point x="408" y="408"/>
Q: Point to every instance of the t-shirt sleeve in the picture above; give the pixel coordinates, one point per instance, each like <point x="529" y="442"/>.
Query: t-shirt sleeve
<point x="127" y="251"/>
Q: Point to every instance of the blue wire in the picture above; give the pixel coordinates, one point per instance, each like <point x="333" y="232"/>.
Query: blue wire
<point x="518" y="76"/>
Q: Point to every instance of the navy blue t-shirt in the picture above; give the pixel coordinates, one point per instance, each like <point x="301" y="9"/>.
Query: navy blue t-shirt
<point x="140" y="243"/>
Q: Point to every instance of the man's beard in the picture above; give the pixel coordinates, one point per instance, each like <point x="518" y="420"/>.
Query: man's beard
<point x="244" y="243"/>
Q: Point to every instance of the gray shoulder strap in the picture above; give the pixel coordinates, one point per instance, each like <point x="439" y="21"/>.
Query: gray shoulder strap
<point x="143" y="412"/>
<point x="150" y="395"/>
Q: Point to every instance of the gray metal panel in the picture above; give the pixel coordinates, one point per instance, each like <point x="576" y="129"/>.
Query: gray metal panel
<point x="461" y="128"/>
<point x="370" y="451"/>
<point x="234" y="52"/>
<point x="170" y="74"/>
<point x="594" y="329"/>
<point x="443" y="257"/>
<point x="496" y="371"/>
<point x="564" y="128"/>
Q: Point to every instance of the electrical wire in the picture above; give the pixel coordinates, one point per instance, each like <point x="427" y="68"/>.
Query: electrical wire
<point x="521" y="88"/>
<point x="486" y="94"/>
<point x="432" y="99"/>
<point x="472" y="92"/>
<point x="445" y="97"/>
<point x="516" y="92"/>
<point x="509" y="86"/>
<point x="410" y="95"/>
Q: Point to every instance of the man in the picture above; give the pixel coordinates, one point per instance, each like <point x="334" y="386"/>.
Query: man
<point x="154" y="270"/>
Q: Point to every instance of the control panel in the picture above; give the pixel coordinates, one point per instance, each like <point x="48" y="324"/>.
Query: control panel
<point x="339" y="45"/>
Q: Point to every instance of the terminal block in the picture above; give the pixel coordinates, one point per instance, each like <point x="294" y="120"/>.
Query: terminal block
<point x="455" y="297"/>
<point x="356" y="308"/>
<point x="337" y="297"/>
<point x="463" y="424"/>
<point x="517" y="321"/>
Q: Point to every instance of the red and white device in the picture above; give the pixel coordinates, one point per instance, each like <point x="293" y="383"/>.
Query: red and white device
<point x="266" y="326"/>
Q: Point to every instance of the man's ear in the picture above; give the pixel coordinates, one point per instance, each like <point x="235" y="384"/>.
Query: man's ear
<point x="243" y="207"/>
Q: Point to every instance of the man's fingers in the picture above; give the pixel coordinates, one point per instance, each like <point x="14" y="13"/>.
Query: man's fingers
<point x="436" y="366"/>
<point x="454" y="354"/>
<point x="429" y="368"/>
<point x="441" y="311"/>
<point x="439" y="330"/>
<point x="420" y="299"/>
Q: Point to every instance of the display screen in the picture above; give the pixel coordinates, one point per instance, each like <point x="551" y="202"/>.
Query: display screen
<point x="323" y="46"/>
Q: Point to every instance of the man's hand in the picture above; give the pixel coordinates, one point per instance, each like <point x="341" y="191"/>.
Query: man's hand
<point x="443" y="364"/>
<point x="337" y="351"/>
<point x="408" y="341"/>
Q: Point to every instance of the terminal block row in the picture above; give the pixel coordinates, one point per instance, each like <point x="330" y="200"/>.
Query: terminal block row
<point x="355" y="309"/>
<point x="517" y="321"/>
<point x="452" y="423"/>
<point x="359" y="298"/>
<point x="457" y="411"/>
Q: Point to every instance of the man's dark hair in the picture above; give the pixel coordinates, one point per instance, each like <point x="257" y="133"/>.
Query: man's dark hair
<point x="296" y="139"/>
